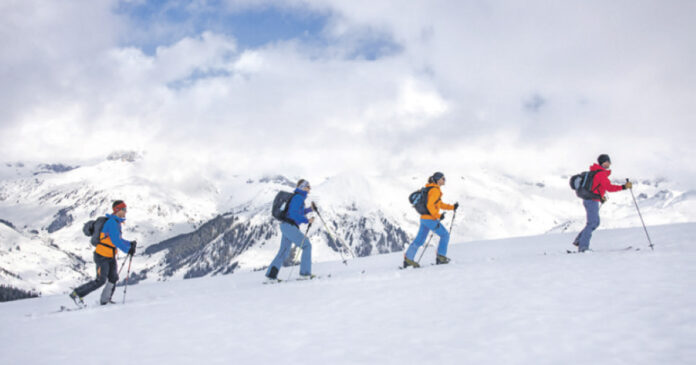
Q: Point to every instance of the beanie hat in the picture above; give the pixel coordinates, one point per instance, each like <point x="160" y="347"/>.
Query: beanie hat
<point x="302" y="184"/>
<point x="603" y="158"/>
<point x="437" y="176"/>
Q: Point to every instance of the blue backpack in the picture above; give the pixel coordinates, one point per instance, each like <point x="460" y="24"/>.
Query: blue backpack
<point x="419" y="200"/>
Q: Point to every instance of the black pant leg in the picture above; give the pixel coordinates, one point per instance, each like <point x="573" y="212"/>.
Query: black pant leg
<point x="103" y="270"/>
<point x="113" y="271"/>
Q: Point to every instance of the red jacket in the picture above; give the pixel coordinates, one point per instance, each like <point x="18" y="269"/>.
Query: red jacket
<point x="601" y="183"/>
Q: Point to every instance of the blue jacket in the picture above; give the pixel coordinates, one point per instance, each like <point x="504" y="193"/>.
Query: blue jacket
<point x="112" y="230"/>
<point x="296" y="209"/>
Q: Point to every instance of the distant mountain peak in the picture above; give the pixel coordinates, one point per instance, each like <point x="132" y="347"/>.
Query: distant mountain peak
<point x="126" y="156"/>
<point x="278" y="179"/>
<point x="54" y="168"/>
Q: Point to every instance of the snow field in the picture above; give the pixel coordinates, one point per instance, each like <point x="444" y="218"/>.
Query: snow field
<point x="510" y="301"/>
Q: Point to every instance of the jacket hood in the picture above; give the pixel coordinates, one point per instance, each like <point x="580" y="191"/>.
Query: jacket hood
<point x="117" y="218"/>
<point x="597" y="167"/>
<point x="301" y="192"/>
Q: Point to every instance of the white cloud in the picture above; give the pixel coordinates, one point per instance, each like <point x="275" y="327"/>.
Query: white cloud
<point x="453" y="94"/>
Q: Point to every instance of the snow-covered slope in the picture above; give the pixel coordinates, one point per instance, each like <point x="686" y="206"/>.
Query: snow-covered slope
<point x="24" y="262"/>
<point x="509" y="301"/>
<point x="191" y="223"/>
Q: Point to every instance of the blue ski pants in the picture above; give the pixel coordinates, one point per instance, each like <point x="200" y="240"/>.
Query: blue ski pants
<point x="292" y="234"/>
<point x="426" y="226"/>
<point x="592" y="209"/>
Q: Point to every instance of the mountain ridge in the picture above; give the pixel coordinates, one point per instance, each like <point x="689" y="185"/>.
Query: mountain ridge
<point x="371" y="214"/>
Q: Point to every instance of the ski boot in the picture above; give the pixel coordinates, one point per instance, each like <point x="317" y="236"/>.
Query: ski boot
<point x="442" y="260"/>
<point x="306" y="277"/>
<point x="273" y="273"/>
<point x="272" y="277"/>
<point x="77" y="299"/>
<point x="408" y="262"/>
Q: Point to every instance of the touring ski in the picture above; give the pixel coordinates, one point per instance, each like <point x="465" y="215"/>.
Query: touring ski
<point x="628" y="248"/>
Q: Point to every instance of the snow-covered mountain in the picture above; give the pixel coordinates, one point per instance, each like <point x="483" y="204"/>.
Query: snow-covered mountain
<point x="198" y="224"/>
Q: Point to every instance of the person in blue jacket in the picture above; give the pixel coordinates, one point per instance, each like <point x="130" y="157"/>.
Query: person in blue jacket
<point x="105" y="256"/>
<point x="290" y="229"/>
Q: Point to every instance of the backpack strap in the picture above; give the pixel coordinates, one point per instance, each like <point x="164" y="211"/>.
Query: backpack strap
<point x="594" y="189"/>
<point x="427" y="194"/>
<point x="113" y="247"/>
<point x="285" y="211"/>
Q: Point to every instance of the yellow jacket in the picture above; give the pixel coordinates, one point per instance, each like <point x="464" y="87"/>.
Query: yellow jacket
<point x="434" y="203"/>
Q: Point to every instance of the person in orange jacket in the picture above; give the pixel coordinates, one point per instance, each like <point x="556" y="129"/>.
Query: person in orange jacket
<point x="431" y="222"/>
<point x="105" y="257"/>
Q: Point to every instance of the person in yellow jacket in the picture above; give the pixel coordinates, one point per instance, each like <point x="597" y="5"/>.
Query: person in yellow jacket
<point x="105" y="257"/>
<point x="431" y="222"/>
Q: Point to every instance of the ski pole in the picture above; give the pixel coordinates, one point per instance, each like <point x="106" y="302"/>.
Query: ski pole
<point x="127" y="276"/>
<point x="641" y="218"/>
<point x="301" y="245"/>
<point x="452" y="223"/>
<point x="122" y="265"/>
<point x="425" y="248"/>
<point x="337" y="238"/>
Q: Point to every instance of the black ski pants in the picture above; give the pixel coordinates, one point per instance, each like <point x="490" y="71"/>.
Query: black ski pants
<point x="106" y="269"/>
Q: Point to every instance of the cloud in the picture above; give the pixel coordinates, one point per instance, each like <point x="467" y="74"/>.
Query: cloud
<point x="535" y="87"/>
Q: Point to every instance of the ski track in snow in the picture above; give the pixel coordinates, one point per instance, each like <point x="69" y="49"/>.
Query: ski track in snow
<point x="509" y="301"/>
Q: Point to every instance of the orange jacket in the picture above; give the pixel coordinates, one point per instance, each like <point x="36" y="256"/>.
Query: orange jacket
<point x="105" y="247"/>
<point x="434" y="203"/>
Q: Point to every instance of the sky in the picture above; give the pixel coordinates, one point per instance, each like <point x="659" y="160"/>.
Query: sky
<point x="304" y="87"/>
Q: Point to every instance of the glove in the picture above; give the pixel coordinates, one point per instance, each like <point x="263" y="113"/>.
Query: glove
<point x="603" y="199"/>
<point x="456" y="205"/>
<point x="442" y="216"/>
<point x="627" y="185"/>
<point x="132" y="249"/>
<point x="314" y="207"/>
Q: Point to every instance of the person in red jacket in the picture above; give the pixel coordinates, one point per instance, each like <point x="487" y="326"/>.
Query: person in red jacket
<point x="600" y="186"/>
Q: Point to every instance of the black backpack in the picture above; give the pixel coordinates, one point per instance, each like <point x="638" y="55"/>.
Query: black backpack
<point x="281" y="202"/>
<point x="419" y="200"/>
<point x="582" y="184"/>
<point x="93" y="229"/>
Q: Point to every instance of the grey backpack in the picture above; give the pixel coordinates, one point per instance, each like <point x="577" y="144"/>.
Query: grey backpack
<point x="93" y="229"/>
